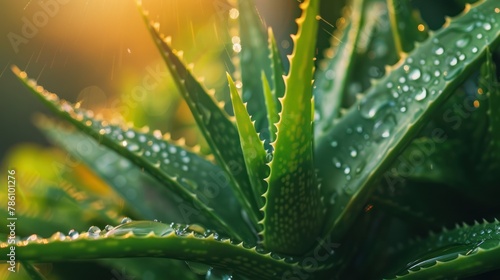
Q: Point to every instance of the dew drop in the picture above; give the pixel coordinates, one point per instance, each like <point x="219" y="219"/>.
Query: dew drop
<point x="73" y="234"/>
<point x="487" y="26"/>
<point x="32" y="237"/>
<point x="198" y="268"/>
<point x="360" y="167"/>
<point x="463" y="41"/>
<point x="382" y="128"/>
<point x="337" y="163"/>
<point x="172" y="149"/>
<point x="371" y="106"/>
<point x="133" y="147"/>
<point x="453" y="73"/>
<point x="353" y="152"/>
<point x="215" y="274"/>
<point x="415" y="74"/>
<point x="347" y="170"/>
<point x="334" y="143"/>
<point x="130" y="134"/>
<point x="125" y="220"/>
<point x="58" y="236"/>
<point x="155" y="148"/>
<point x="94" y="231"/>
<point x="439" y="50"/>
<point x="453" y="61"/>
<point x="421" y="94"/>
<point x="108" y="227"/>
<point x="140" y="228"/>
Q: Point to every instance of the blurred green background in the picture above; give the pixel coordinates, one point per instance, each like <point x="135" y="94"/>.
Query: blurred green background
<point x="96" y="52"/>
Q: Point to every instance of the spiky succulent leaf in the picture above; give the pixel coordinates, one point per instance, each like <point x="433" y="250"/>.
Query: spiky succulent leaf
<point x="278" y="84"/>
<point x="170" y="164"/>
<point x="407" y="26"/>
<point x="332" y="78"/>
<point x="153" y="239"/>
<point x="219" y="131"/>
<point x="271" y="107"/>
<point x="292" y="214"/>
<point x="489" y="86"/>
<point x="254" y="59"/>
<point x="127" y="179"/>
<point x="450" y="253"/>
<point x="357" y="150"/>
<point x="251" y="145"/>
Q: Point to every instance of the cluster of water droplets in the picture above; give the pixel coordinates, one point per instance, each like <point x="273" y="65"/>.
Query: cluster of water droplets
<point x="399" y="99"/>
<point x="137" y="228"/>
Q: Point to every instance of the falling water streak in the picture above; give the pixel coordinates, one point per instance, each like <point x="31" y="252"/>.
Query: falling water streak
<point x="192" y="33"/>
<point x="66" y="61"/>
<point x="216" y="32"/>
<point x="40" y="52"/>
<point x="29" y="2"/>
<point x="121" y="50"/>
<point x="318" y="17"/>
<point x="330" y="33"/>
<point x="40" y="74"/>
<point x="113" y="66"/>
<point x="55" y="55"/>
<point x="3" y="71"/>
<point x="29" y="61"/>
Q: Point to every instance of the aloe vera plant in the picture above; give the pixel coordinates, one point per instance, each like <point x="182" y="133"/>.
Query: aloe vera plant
<point x="308" y="179"/>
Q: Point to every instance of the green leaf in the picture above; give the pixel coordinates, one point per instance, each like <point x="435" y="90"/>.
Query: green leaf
<point x="251" y="145"/>
<point x="407" y="26"/>
<point x="489" y="164"/>
<point x="170" y="164"/>
<point x="33" y="273"/>
<point x="271" y="107"/>
<point x="353" y="154"/>
<point x="153" y="239"/>
<point x="450" y="253"/>
<point x="277" y="82"/>
<point x="336" y="73"/>
<point x="254" y="59"/>
<point x="430" y="160"/>
<point x="293" y="212"/>
<point x="219" y="131"/>
<point x="127" y="179"/>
